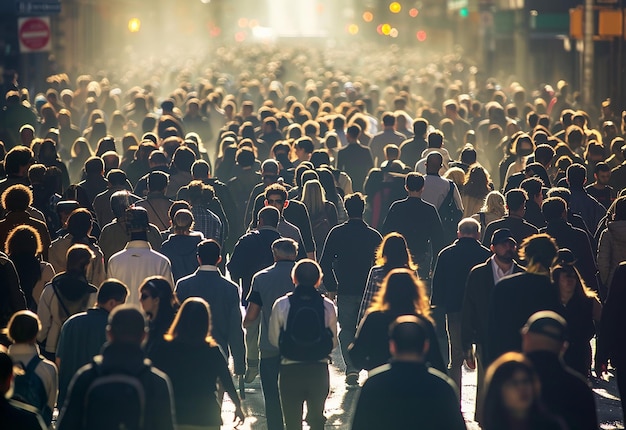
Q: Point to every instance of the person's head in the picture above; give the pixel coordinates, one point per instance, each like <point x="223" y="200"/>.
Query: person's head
<point x="313" y="197"/>
<point x="401" y="293"/>
<point x="420" y="126"/>
<point x="353" y="132"/>
<point x="393" y="253"/>
<point x="17" y="198"/>
<point x="157" y="181"/>
<point x="23" y="327"/>
<point x="545" y="331"/>
<point x="494" y="204"/>
<point x="620" y="209"/>
<point x="23" y="240"/>
<point x="468" y="155"/>
<point x="79" y="223"/>
<point x="78" y="258"/>
<point x="516" y="201"/>
<point x="117" y="179"/>
<point x="539" y="251"/>
<point x="544" y="154"/>
<point x="533" y="187"/>
<point x="285" y="249"/>
<point x="434" y="162"/>
<point x="269" y="169"/>
<point x="182" y="222"/>
<point x="306" y="273"/>
<point x="476" y="182"/>
<point x="157" y="298"/>
<point x="408" y="338"/>
<point x="126" y="325"/>
<point x="554" y="208"/>
<point x="576" y="176"/>
<point x="94" y="166"/>
<point x="602" y="173"/>
<point x="200" y="169"/>
<point x="355" y="205"/>
<point x="268" y="217"/>
<point x="468" y="227"/>
<point x="120" y="201"/>
<point x="111" y="294"/>
<point x="18" y="160"/>
<point x="435" y="139"/>
<point x="414" y="183"/>
<point x="209" y="252"/>
<point x="276" y="196"/>
<point x="503" y="245"/>
<point x="136" y="219"/>
<point x="192" y="324"/>
<point x="523" y="145"/>
<point x="511" y="390"/>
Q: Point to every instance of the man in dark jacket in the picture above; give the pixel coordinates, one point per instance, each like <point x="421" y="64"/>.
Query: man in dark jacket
<point x="253" y="252"/>
<point x="516" y="297"/>
<point x="564" y="392"/>
<point x="448" y="288"/>
<point x="346" y="261"/>
<point x="514" y="221"/>
<point x="405" y="393"/>
<point x="223" y="297"/>
<point x="567" y="236"/>
<point x="480" y="283"/>
<point x="355" y="159"/>
<point x="123" y="355"/>
<point x="424" y="238"/>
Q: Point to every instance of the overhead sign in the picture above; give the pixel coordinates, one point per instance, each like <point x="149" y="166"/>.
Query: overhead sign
<point x="34" y="34"/>
<point x="41" y="7"/>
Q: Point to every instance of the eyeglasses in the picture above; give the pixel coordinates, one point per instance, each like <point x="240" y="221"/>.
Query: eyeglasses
<point x="145" y="297"/>
<point x="277" y="201"/>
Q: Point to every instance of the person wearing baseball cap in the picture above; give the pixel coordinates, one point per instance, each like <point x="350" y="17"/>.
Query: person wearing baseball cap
<point x="565" y="392"/>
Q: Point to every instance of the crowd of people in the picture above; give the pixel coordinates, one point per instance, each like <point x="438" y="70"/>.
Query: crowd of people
<point x="421" y="221"/>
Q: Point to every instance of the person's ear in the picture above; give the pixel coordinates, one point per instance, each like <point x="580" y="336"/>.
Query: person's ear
<point x="265" y="202"/>
<point x="285" y="204"/>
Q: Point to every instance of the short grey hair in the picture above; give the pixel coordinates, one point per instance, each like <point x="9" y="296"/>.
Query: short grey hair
<point x="468" y="227"/>
<point x="285" y="249"/>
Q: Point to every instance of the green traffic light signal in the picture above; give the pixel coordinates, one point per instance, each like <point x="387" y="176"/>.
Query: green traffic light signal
<point x="464" y="12"/>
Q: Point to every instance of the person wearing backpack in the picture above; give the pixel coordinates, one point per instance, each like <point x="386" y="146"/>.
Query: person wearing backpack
<point x="303" y="326"/>
<point x="38" y="384"/>
<point x="120" y="388"/>
<point x="13" y="414"/>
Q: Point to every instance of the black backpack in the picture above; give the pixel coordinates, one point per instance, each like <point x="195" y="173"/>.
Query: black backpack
<point x="29" y="389"/>
<point x="306" y="337"/>
<point x="450" y="215"/>
<point x="115" y="401"/>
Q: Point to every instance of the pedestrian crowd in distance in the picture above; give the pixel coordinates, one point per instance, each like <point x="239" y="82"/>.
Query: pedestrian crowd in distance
<point x="421" y="221"/>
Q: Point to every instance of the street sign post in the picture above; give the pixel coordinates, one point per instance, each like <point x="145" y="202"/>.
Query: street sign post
<point x="34" y="34"/>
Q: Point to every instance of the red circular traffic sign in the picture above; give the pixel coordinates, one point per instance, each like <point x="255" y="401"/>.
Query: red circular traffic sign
<point x="34" y="33"/>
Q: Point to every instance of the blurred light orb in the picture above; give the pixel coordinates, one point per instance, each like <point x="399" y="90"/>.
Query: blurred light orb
<point x="353" y="29"/>
<point x="379" y="29"/>
<point x="240" y="36"/>
<point x="421" y="35"/>
<point x="368" y="16"/>
<point x="134" y="25"/>
<point x="393" y="33"/>
<point x="205" y="1"/>
<point x="395" y="7"/>
<point x="242" y="22"/>
<point x="414" y="12"/>
<point x="385" y="29"/>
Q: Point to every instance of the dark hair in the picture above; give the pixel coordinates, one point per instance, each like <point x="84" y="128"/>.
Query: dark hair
<point x="209" y="252"/>
<point x="94" y="166"/>
<point x="502" y="370"/>
<point x="78" y="257"/>
<point x="23" y="327"/>
<point x="414" y="181"/>
<point x="127" y="325"/>
<point x="393" y="253"/>
<point x="276" y="189"/>
<point x="159" y="287"/>
<point x="23" y="245"/>
<point x="117" y="177"/>
<point x="601" y="167"/>
<point x="112" y="289"/>
<point x="200" y="169"/>
<point x="17" y="198"/>
<point x="553" y="208"/>
<point x="476" y="183"/>
<point x="355" y="205"/>
<point x="401" y="293"/>
<point x="420" y="126"/>
<point x="192" y="323"/>
<point x="539" y="249"/>
<point x="306" y="272"/>
<point x="270" y="216"/>
<point x="409" y="334"/>
<point x="515" y="199"/>
<point x="157" y="181"/>
<point x="435" y="139"/>
<point x="544" y="153"/>
<point x="576" y="175"/>
<point x="79" y="224"/>
<point x="532" y="186"/>
<point x="17" y="157"/>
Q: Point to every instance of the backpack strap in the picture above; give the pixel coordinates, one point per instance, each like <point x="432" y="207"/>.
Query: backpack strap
<point x="32" y="364"/>
<point x="58" y="296"/>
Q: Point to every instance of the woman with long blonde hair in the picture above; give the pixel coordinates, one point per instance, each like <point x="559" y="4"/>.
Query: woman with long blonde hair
<point x="401" y="293"/>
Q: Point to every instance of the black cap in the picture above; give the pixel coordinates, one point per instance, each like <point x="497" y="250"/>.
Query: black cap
<point x="502" y="235"/>
<point x="547" y="323"/>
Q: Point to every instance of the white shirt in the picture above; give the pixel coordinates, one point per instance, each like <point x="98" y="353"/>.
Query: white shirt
<point x="498" y="273"/>
<point x="46" y="370"/>
<point x="136" y="262"/>
<point x="436" y="189"/>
